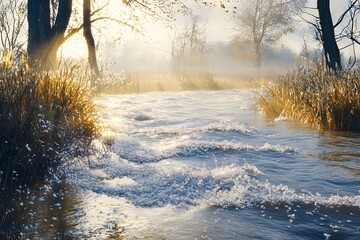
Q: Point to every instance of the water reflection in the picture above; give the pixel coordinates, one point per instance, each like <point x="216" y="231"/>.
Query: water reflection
<point x="341" y="150"/>
<point x="44" y="211"/>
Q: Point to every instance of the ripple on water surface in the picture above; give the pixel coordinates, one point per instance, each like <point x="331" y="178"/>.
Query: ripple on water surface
<point x="201" y="165"/>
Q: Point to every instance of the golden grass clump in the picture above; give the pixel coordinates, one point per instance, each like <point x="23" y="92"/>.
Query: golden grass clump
<point x="41" y="115"/>
<point x="327" y="101"/>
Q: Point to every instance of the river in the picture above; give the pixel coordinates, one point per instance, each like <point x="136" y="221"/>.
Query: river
<point x="205" y="165"/>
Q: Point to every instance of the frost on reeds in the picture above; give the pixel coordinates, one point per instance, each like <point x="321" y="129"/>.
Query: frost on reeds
<point x="327" y="101"/>
<point x="41" y="115"/>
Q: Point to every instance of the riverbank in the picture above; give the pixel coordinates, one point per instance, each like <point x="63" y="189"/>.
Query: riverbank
<point x="200" y="163"/>
<point x="42" y="114"/>
<point x="323" y="100"/>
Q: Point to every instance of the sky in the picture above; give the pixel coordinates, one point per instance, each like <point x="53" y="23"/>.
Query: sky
<point x="153" y="45"/>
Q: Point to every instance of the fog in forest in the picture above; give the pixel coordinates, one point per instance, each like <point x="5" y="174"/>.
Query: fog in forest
<point x="179" y="119"/>
<point x="150" y="50"/>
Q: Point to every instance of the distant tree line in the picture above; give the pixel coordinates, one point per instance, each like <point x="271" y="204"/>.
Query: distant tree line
<point x="261" y="23"/>
<point x="189" y="45"/>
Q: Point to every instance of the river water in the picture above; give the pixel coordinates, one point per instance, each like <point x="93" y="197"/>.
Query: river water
<point x="208" y="165"/>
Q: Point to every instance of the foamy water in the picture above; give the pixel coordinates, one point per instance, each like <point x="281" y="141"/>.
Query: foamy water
<point x="208" y="165"/>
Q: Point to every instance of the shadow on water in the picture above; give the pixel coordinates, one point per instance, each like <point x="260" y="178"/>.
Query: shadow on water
<point x="46" y="210"/>
<point x="338" y="149"/>
<point x="342" y="150"/>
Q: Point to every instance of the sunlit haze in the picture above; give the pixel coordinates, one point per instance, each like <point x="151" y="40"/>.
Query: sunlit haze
<point x="151" y="47"/>
<point x="148" y="119"/>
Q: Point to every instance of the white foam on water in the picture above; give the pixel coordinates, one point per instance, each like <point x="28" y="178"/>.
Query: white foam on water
<point x="178" y="184"/>
<point x="229" y="126"/>
<point x="136" y="151"/>
<point x="221" y="126"/>
<point x="249" y="192"/>
<point x="159" y="162"/>
<point x="281" y="119"/>
<point x="122" y="181"/>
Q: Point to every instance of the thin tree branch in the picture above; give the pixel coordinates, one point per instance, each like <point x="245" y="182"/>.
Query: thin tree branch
<point x="74" y="31"/>
<point x="344" y="14"/>
<point x="100" y="9"/>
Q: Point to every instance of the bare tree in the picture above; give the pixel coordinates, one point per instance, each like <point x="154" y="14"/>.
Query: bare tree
<point x="309" y="57"/>
<point x="49" y="28"/>
<point x="264" y="22"/>
<point x="188" y="46"/>
<point x="89" y="37"/>
<point x="12" y="20"/>
<point x="337" y="36"/>
<point x="46" y="37"/>
<point x="161" y="9"/>
<point x="331" y="49"/>
<point x="49" y="24"/>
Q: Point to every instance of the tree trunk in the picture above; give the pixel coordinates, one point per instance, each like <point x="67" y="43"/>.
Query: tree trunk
<point x="89" y="37"/>
<point x="331" y="49"/>
<point x="44" y="40"/>
<point x="257" y="57"/>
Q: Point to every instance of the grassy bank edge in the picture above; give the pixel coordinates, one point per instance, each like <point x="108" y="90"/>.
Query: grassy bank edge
<point x="42" y="114"/>
<point x="323" y="100"/>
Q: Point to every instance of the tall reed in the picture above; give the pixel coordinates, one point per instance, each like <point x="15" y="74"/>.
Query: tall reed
<point x="327" y="101"/>
<point x="41" y="115"/>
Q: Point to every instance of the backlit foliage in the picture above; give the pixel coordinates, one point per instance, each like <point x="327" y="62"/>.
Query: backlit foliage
<point x="41" y="115"/>
<point x="314" y="97"/>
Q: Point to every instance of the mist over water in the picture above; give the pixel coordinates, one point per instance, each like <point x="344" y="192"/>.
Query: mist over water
<point x="186" y="153"/>
<point x="208" y="165"/>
